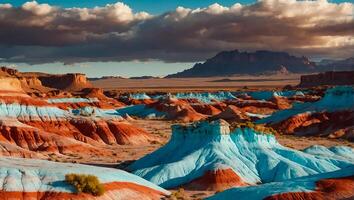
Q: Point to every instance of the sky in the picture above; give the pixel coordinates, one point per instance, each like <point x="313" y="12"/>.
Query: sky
<point x="160" y="37"/>
<point x="151" y="6"/>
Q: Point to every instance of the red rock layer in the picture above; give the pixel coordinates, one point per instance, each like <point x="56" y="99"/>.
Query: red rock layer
<point x="103" y="101"/>
<point x="139" y="191"/>
<point x="40" y="141"/>
<point x="205" y="109"/>
<point x="232" y="113"/>
<point x="177" y="110"/>
<point x="86" y="130"/>
<point x="281" y="102"/>
<point x="71" y="135"/>
<point x="322" y="124"/>
<point x="218" y="180"/>
<point x="140" y="101"/>
<point x="99" y="104"/>
<point x="94" y="93"/>
<point x="327" y="189"/>
<point x="24" y="100"/>
<point x="255" y="103"/>
<point x="257" y="110"/>
<point x="21" y="98"/>
<point x="72" y="82"/>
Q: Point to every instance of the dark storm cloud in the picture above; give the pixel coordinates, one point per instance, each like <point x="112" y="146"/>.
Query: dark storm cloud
<point x="39" y="33"/>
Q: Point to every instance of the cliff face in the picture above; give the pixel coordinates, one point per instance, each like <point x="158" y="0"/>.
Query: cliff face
<point x="10" y="84"/>
<point x="65" y="82"/>
<point x="328" y="78"/>
<point x="71" y="82"/>
<point x="235" y="62"/>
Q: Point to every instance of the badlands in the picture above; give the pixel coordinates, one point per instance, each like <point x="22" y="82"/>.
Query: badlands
<point x="293" y="142"/>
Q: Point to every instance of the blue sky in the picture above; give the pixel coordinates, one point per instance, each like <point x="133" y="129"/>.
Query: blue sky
<point x="99" y="69"/>
<point x="151" y="6"/>
<point x="156" y="67"/>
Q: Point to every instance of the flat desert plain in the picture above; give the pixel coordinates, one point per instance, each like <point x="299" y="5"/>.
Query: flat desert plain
<point x="210" y="83"/>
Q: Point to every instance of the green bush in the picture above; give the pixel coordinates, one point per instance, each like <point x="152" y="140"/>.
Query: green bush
<point x="85" y="183"/>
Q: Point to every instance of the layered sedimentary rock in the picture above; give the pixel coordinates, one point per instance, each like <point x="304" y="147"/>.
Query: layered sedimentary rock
<point x="206" y="109"/>
<point x="167" y="108"/>
<point x="328" y="78"/>
<point x="44" y="82"/>
<point x="332" y="185"/>
<point x="333" y="125"/>
<point x="65" y="81"/>
<point x="11" y="87"/>
<point x="325" y="117"/>
<point x="232" y="113"/>
<point x="30" y="124"/>
<point x="50" y="129"/>
<point x="211" y="150"/>
<point x="44" y="180"/>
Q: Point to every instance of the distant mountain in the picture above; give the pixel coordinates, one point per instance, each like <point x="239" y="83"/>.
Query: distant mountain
<point x="337" y="65"/>
<point x="235" y="62"/>
<point x="144" y="77"/>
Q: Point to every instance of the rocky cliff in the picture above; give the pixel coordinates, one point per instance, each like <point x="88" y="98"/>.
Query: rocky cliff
<point x="328" y="78"/>
<point x="65" y="81"/>
<point x="71" y="82"/>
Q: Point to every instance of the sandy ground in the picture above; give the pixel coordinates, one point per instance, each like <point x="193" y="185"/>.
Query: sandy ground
<point x="213" y="83"/>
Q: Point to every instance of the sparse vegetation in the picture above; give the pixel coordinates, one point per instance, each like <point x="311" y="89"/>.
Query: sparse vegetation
<point x="257" y="127"/>
<point x="85" y="183"/>
<point x="178" y="195"/>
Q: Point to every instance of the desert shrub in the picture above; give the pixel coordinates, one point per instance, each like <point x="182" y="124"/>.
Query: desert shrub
<point x="178" y="195"/>
<point x="85" y="183"/>
<point x="257" y="127"/>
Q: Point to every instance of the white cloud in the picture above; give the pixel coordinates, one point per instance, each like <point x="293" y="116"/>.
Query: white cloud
<point x="38" y="9"/>
<point x="115" y="32"/>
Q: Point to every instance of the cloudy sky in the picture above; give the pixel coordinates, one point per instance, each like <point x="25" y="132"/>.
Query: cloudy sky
<point x="134" y="38"/>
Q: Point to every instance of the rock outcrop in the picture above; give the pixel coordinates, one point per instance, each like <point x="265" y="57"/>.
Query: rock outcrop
<point x="65" y="81"/>
<point x="164" y="108"/>
<point x="25" y="179"/>
<point x="29" y="124"/>
<point x="232" y="113"/>
<point x="328" y="78"/>
<point x="332" y="185"/>
<point x="6" y="71"/>
<point x="9" y="84"/>
<point x="330" y="116"/>
<point x="43" y="81"/>
<point x="251" y="157"/>
<point x="325" y="124"/>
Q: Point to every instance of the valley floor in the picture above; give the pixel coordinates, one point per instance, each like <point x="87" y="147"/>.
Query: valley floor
<point x="195" y="84"/>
